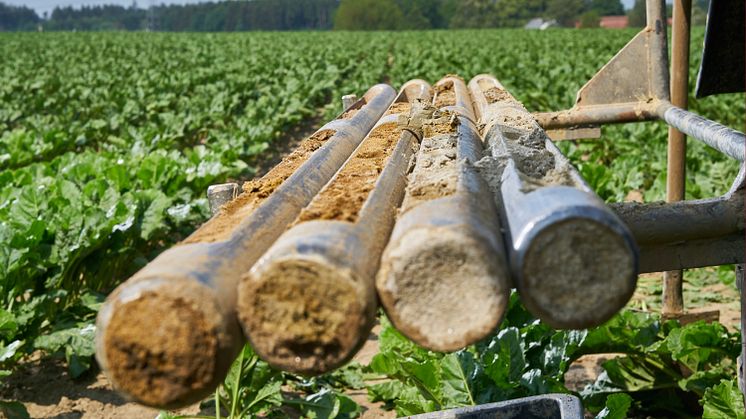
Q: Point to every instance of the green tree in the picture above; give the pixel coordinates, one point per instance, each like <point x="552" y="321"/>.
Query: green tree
<point x="475" y="14"/>
<point x="607" y="7"/>
<point x="590" y="19"/>
<point x="638" y="14"/>
<point x="566" y="12"/>
<point x="368" y="15"/>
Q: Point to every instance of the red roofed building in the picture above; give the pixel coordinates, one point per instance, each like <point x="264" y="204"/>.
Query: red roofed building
<point x="614" y="22"/>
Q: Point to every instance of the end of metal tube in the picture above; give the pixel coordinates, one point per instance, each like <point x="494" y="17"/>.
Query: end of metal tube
<point x="442" y="286"/>
<point x="577" y="272"/>
<point x="303" y="307"/>
<point x="164" y="342"/>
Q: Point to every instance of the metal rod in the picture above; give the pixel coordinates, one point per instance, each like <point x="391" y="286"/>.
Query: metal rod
<point x="673" y="281"/>
<point x="617" y="113"/>
<point x="717" y="136"/>
<point x="309" y="303"/>
<point x="684" y="220"/>
<point x="443" y="280"/>
<point x="574" y="261"/>
<point x="167" y="336"/>
<point x="723" y="250"/>
<point x="658" y="72"/>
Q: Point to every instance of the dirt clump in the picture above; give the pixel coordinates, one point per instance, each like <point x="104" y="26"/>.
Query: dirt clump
<point x="445" y="95"/>
<point x="255" y="191"/>
<point x="495" y="94"/>
<point x="343" y="198"/>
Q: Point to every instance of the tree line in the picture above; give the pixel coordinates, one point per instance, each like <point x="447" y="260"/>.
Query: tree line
<point x="323" y="15"/>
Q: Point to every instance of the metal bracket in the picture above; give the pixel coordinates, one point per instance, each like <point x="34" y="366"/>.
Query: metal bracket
<point x="628" y="87"/>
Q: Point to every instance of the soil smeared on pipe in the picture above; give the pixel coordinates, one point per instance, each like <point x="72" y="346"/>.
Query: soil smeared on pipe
<point x="257" y="190"/>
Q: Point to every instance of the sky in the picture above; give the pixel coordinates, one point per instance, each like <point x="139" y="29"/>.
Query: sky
<point x="42" y="6"/>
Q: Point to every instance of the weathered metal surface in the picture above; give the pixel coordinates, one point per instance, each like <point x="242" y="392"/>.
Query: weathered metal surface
<point x="562" y="240"/>
<point x="348" y="101"/>
<point x="219" y="195"/>
<point x="724" y="54"/>
<point x="717" y="136"/>
<point x="309" y="303"/>
<point x="688" y="254"/>
<point x="547" y="406"/>
<point x="597" y="115"/>
<point x="443" y="280"/>
<point x="689" y="234"/>
<point x="562" y="134"/>
<point x="673" y="298"/>
<point x="167" y="336"/>
<point x="685" y="220"/>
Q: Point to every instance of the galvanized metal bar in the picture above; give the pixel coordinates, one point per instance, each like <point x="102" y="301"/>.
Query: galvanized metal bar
<point x="726" y="140"/>
<point x="309" y="303"/>
<point x="167" y="336"/>
<point x="574" y="261"/>
<point x="723" y="250"/>
<point x="673" y="286"/>
<point x="443" y="280"/>
<point x="658" y="73"/>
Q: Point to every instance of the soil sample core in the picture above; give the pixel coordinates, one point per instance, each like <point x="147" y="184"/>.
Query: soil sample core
<point x="309" y="303"/>
<point x="573" y="260"/>
<point x="343" y="198"/>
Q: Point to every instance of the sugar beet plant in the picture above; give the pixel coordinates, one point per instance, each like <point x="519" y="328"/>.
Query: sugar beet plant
<point x="108" y="142"/>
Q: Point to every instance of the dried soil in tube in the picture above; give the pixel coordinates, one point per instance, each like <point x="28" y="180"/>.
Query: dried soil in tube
<point x="445" y="95"/>
<point x="435" y="174"/>
<point x="398" y="107"/>
<point x="495" y="94"/>
<point x="343" y="198"/>
<point x="257" y="190"/>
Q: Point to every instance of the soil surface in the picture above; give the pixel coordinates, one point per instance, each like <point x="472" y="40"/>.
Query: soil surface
<point x="47" y="391"/>
<point x="343" y="198"/>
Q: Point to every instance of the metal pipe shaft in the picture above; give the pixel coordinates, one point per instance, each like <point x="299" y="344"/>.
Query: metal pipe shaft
<point x="167" y="336"/>
<point x="574" y="262"/>
<point x="726" y="140"/>
<point x="309" y="303"/>
<point x="443" y="279"/>
<point x="673" y="290"/>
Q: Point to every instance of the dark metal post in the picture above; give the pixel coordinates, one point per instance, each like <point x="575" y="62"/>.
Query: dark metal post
<point x="673" y="301"/>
